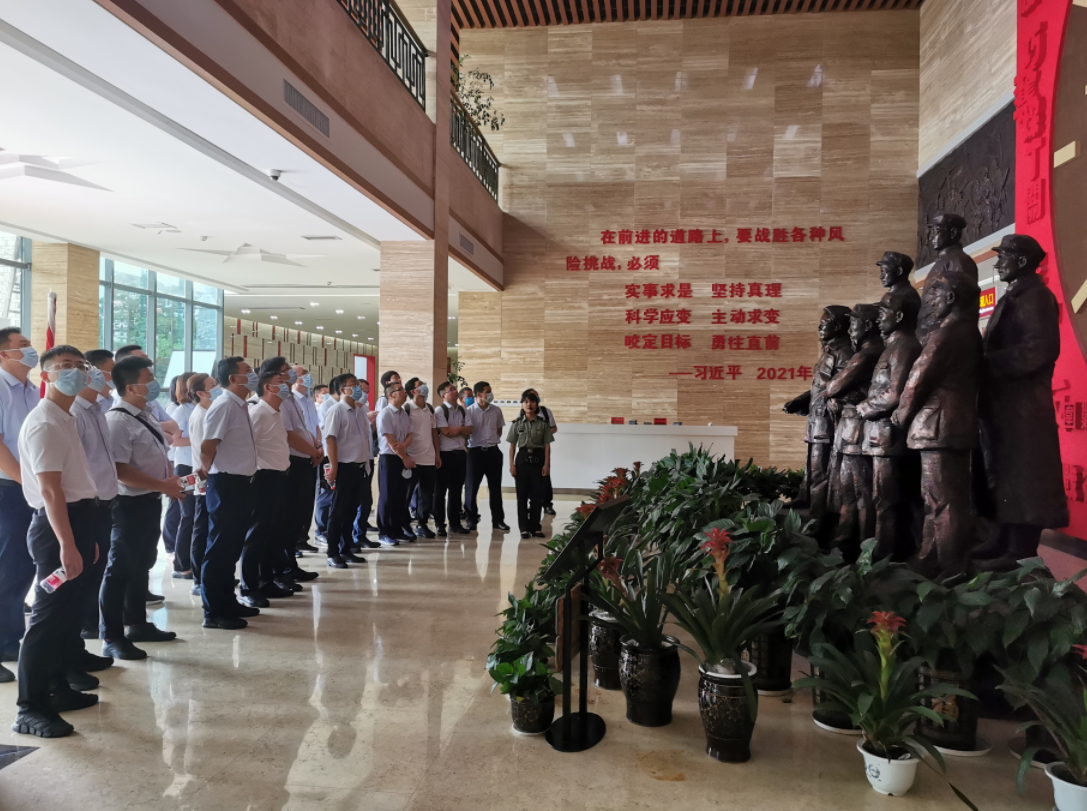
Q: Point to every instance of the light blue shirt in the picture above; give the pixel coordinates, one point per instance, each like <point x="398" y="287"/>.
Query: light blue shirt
<point x="133" y="443"/>
<point x="309" y="413"/>
<point x="97" y="442"/>
<point x="180" y="414"/>
<point x="228" y="421"/>
<point x="486" y="426"/>
<point x="391" y="420"/>
<point x="293" y="420"/>
<point x="16" y="402"/>
<point x="351" y="430"/>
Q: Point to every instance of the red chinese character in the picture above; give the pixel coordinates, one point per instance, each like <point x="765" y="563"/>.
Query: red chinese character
<point x="668" y="316"/>
<point x="678" y="236"/>
<point x="642" y="237"/>
<point x="634" y="291"/>
<point x="717" y="373"/>
<point x="653" y="262"/>
<point x="650" y="314"/>
<point x="590" y="263"/>
<point x="781" y="235"/>
<point x="773" y="342"/>
<point x="743" y="234"/>
<point x="626" y="237"/>
<point x="817" y="233"/>
<point x="631" y="341"/>
<point x="700" y="372"/>
<point x="694" y="236"/>
<point x="573" y="263"/>
<point x="772" y="316"/>
<point x="720" y="317"/>
<point x="735" y="342"/>
<point x="803" y="372"/>
<point x="737" y="317"/>
<point x="649" y="290"/>
<point x="754" y="317"/>
<point x="718" y="342"/>
<point x="634" y="316"/>
<point x="1035" y="200"/>
<point x="683" y="316"/>
<point x="684" y="290"/>
<point x="736" y="290"/>
<point x="734" y="372"/>
<point x="683" y="342"/>
<point x="607" y="237"/>
<point x="635" y="263"/>
<point x="773" y="290"/>
<point x="754" y="342"/>
<point x="607" y="263"/>
<point x="649" y="342"/>
<point x="797" y="234"/>
<point x="720" y="291"/>
<point x="836" y="234"/>
<point x="762" y="234"/>
<point x="754" y="289"/>
<point x="668" y="291"/>
<point x="659" y="236"/>
<point x="667" y="342"/>
<point x="715" y="237"/>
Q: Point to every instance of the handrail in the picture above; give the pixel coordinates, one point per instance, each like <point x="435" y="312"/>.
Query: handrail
<point x="386" y="28"/>
<point x="469" y="142"/>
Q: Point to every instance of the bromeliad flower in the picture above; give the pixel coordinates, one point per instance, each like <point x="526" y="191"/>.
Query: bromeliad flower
<point x="888" y="622"/>
<point x="609" y="570"/>
<point x="585" y="509"/>
<point x="717" y="546"/>
<point x="621" y="472"/>
<point x="1082" y="650"/>
<point x="885" y="626"/>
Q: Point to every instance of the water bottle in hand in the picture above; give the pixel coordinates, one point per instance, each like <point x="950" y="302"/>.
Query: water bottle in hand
<point x="54" y="581"/>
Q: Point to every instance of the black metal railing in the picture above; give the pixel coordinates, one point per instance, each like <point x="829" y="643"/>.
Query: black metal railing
<point x="382" y="23"/>
<point x="472" y="146"/>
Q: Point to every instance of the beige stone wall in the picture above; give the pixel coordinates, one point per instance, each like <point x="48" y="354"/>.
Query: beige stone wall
<point x="968" y="52"/>
<point x="758" y="122"/>
<point x="71" y="272"/>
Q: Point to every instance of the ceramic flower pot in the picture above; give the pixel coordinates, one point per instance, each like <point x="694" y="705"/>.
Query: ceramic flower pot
<point x="650" y="678"/>
<point x="604" y="636"/>
<point x="726" y="714"/>
<point x="891" y="777"/>
<point x="959" y="732"/>
<point x="530" y="717"/>
<point x="830" y="720"/>
<point x="1067" y="796"/>
<point x="772" y="655"/>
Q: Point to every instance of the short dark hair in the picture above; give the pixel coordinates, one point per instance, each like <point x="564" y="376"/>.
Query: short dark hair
<point x="273" y="364"/>
<point x="480" y="386"/>
<point x="412" y="384"/>
<point x="57" y="351"/>
<point x="96" y="357"/>
<point x="531" y="396"/>
<point x="127" y="350"/>
<point x="127" y="372"/>
<point x="226" y="368"/>
<point x="443" y="386"/>
<point x="337" y="382"/>
<point x="317" y="390"/>
<point x="465" y="389"/>
<point x="265" y="376"/>
<point x="385" y="377"/>
<point x="6" y="333"/>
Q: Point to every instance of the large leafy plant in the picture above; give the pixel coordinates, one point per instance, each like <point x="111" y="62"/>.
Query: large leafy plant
<point x="520" y="659"/>
<point x="474" y="88"/>
<point x="527" y="678"/>
<point x="632" y="590"/>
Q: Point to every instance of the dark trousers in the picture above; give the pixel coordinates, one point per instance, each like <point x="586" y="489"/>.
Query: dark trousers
<point x="302" y="493"/>
<point x="322" y="502"/>
<point x="948" y="532"/>
<point x="16" y="565"/>
<point x="366" y="505"/>
<point x="186" y="513"/>
<point x="421" y="492"/>
<point x="54" y="624"/>
<point x="896" y="490"/>
<point x="133" y="547"/>
<point x="230" y="511"/>
<point x="484" y="463"/>
<point x="392" y="501"/>
<point x="350" y="478"/>
<point x="531" y="488"/>
<point x="199" y="537"/>
<point x="101" y="528"/>
<point x="266" y="542"/>
<point x="169" y="526"/>
<point x="449" y="479"/>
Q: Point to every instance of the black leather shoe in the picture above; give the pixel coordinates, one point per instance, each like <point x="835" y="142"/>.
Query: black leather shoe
<point x="408" y="532"/>
<point x="70" y="701"/>
<point x="425" y="531"/>
<point x="525" y="536"/>
<point x="336" y="562"/>
<point x="354" y="558"/>
<point x="289" y="585"/>
<point x="303" y="576"/>
<point x="154" y="599"/>
<point x="538" y="534"/>
<point x="469" y="528"/>
<point x="243" y="611"/>
<point x="89" y="663"/>
<point x="306" y="546"/>
<point x="457" y="529"/>
<point x="6" y="675"/>
<point x="10" y="653"/>
<point x="439" y="530"/>
<point x="405" y="538"/>
<point x="182" y="575"/>
<point x="225" y="623"/>
<point x="254" y="601"/>
<point x="81" y="682"/>
<point x="41" y="724"/>
<point x="370" y="527"/>
<point x="549" y="510"/>
<point x="366" y="543"/>
<point x="148" y="633"/>
<point x="122" y="649"/>
<point x="272" y="591"/>
<point x="501" y="525"/>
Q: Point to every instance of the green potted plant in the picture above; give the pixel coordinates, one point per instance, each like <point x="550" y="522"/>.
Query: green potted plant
<point x="520" y="662"/>
<point x="605" y="633"/>
<point x="722" y="621"/>
<point x="879" y="693"/>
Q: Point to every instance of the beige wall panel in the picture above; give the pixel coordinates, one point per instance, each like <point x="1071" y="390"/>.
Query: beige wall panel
<point x="71" y="272"/>
<point x="414" y="298"/>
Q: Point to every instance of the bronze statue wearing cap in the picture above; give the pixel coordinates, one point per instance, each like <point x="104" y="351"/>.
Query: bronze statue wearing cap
<point x="851" y="490"/>
<point x="819" y="434"/>
<point x="894" y="274"/>
<point x="939" y="408"/>
<point x="1019" y="433"/>
<point x="896" y="470"/>
<point x="945" y="232"/>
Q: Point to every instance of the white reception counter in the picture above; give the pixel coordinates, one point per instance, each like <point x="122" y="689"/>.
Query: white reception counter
<point x="585" y="453"/>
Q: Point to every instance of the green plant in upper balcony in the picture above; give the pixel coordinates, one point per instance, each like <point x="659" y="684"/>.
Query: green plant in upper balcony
<point x="474" y="88"/>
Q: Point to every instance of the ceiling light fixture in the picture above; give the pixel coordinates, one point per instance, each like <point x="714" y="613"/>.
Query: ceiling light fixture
<point x="319" y="327"/>
<point x="314" y="304"/>
<point x="339" y="312"/>
<point x="274" y="317"/>
<point x="298" y="323"/>
<point x="319" y="237"/>
<point x="362" y="318"/>
<point x="245" y="312"/>
<point x="354" y="335"/>
<point x="339" y="332"/>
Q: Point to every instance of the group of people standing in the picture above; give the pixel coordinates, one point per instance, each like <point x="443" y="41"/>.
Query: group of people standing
<point x="247" y="459"/>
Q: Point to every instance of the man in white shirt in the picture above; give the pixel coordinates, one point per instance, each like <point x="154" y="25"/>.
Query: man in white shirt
<point x="169" y="426"/>
<point x="424" y="450"/>
<point x="366" y="504"/>
<point x="451" y="421"/>
<point x="395" y="468"/>
<point x="265" y="548"/>
<point x="18" y="397"/>
<point x="323" y="504"/>
<point x="347" y="442"/>
<point x="57" y="484"/>
<point x="387" y="379"/>
<point x="485" y="457"/>
<point x="548" y="495"/>
<point x="302" y="477"/>
<point x="231" y="451"/>
<point x="143" y="470"/>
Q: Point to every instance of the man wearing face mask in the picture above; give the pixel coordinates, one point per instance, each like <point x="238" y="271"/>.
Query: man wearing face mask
<point x="143" y="470"/>
<point x="323" y="505"/>
<point x="18" y="397"/>
<point x="485" y="457"/>
<point x="58" y="485"/>
<point x="347" y="441"/>
<point x="103" y="360"/>
<point x="231" y="451"/>
<point x="452" y="424"/>
<point x="424" y="451"/>
<point x="302" y="477"/>
<point x="387" y="379"/>
<point x="203" y="390"/>
<point x="395" y="467"/>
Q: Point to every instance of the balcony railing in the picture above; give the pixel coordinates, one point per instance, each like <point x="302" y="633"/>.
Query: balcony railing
<point x="382" y="24"/>
<point x="472" y="146"/>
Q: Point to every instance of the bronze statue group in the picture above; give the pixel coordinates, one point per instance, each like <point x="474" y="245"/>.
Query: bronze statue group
<point x="935" y="440"/>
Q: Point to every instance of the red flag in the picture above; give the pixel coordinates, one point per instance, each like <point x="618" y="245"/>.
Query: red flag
<point x="50" y="327"/>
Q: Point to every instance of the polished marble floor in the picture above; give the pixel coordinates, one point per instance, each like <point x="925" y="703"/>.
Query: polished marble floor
<point x="368" y="691"/>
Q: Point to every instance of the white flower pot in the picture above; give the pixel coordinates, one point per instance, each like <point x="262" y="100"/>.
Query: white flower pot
<point x="891" y="777"/>
<point x="1067" y="796"/>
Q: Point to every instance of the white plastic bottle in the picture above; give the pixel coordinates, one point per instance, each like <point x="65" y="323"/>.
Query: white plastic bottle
<point x="54" y="581"/>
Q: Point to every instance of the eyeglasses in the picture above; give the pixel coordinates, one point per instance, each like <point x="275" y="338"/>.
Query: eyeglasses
<point x="64" y="365"/>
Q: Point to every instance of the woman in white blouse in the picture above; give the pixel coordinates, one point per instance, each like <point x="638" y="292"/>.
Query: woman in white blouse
<point x="202" y="390"/>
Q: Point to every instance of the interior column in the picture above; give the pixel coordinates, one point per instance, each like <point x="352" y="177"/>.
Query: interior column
<point x="70" y="271"/>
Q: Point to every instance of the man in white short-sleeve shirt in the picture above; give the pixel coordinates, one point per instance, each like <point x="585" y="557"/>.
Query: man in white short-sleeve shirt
<point x="347" y="443"/>
<point x="451" y="420"/>
<point x="424" y="450"/>
<point x="485" y="457"/>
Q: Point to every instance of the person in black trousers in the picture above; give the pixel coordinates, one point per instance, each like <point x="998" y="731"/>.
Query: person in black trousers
<point x="548" y="491"/>
<point x="530" y="462"/>
<point x="485" y="457"/>
<point x="394" y="437"/>
<point x="177" y="528"/>
<point x="453" y="429"/>
<point x="202" y="390"/>
<point x="347" y="441"/>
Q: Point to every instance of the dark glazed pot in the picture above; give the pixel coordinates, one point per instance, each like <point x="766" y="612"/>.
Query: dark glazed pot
<point x="530" y="718"/>
<point x="830" y="720"/>
<point x="726" y="715"/>
<point x="604" y="636"/>
<point x="960" y="728"/>
<point x="650" y="678"/>
<point x="772" y="655"/>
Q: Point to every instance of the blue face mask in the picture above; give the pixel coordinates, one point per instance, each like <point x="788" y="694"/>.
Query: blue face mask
<point x="216" y="393"/>
<point x="153" y="391"/>
<point x="307" y="380"/>
<point x="251" y="380"/>
<point x="292" y="377"/>
<point x="424" y="390"/>
<point x="469" y="400"/>
<point x="284" y="391"/>
<point x="112" y="385"/>
<point x="70" y="381"/>
<point x="30" y="357"/>
<point x="98" y="379"/>
<point x="357" y="394"/>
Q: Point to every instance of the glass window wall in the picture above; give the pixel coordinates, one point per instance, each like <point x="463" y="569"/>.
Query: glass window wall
<point x="14" y="280"/>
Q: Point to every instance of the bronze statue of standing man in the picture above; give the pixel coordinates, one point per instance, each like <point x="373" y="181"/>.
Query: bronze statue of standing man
<point x="945" y="236"/>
